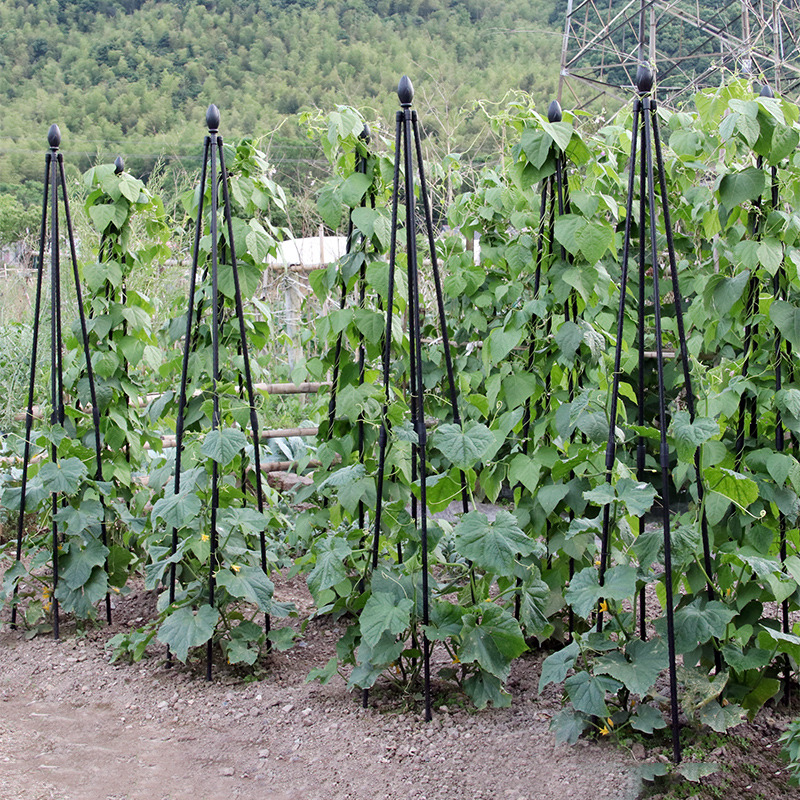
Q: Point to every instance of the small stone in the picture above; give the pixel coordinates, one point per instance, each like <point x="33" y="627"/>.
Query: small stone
<point x="638" y="751"/>
<point x="264" y="753"/>
<point x="287" y="708"/>
<point x="226" y="772"/>
<point x="254" y="712"/>
<point x="305" y="712"/>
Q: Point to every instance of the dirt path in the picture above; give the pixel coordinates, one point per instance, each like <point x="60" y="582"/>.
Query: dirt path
<point x="75" y="727"/>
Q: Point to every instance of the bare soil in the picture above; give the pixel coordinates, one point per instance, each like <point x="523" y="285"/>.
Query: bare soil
<point x="73" y="726"/>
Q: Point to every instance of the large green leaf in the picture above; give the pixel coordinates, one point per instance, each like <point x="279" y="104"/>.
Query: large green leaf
<point x="568" y="725"/>
<point x="492" y="638"/>
<point x="639" y="668"/>
<point x="689" y="434"/>
<point x="736" y="487"/>
<point x="185" y="628"/>
<point x="647" y="719"/>
<point x="737" y="187"/>
<point x="248" y="583"/>
<point x="556" y="666"/>
<point x="786" y="317"/>
<point x="382" y="614"/>
<point x="697" y="623"/>
<point x="492" y="546"/>
<point x="585" y="591"/>
<point x="76" y="566"/>
<point x="484" y="688"/>
<point x="64" y="476"/>
<point x="464" y="447"/>
<point x="223" y="444"/>
<point x="177" y="510"/>
<point x="588" y="693"/>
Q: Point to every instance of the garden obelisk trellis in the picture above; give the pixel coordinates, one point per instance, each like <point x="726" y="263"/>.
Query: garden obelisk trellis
<point x="55" y="177"/>
<point x="407" y="144"/>
<point x="748" y="404"/>
<point x="554" y="204"/>
<point x="645" y="136"/>
<point x="361" y="167"/>
<point x="214" y="175"/>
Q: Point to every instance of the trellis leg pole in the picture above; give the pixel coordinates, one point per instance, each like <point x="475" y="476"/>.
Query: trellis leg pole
<point x="180" y="420"/>
<point x="31" y="385"/>
<point x="89" y="370"/>
<point x="248" y="377"/>
<point x="645" y="82"/>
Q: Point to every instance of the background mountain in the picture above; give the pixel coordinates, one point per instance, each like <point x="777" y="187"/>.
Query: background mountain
<point x="134" y="78"/>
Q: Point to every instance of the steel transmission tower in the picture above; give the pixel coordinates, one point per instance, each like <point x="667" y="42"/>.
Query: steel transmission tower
<point x="690" y="43"/>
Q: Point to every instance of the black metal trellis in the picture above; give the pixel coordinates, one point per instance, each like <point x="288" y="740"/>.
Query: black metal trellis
<point x="214" y="175"/>
<point x="554" y="203"/>
<point x="646" y="136"/>
<point x="352" y="243"/>
<point x="53" y="178"/>
<point x="407" y="144"/>
<point x="749" y="404"/>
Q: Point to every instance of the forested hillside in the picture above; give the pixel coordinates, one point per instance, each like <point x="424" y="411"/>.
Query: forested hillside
<point x="134" y="78"/>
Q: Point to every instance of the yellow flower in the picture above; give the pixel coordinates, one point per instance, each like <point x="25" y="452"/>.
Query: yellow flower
<point x="203" y="537"/>
<point x="603" y="606"/>
<point x="456" y="660"/>
<point x="46" y="592"/>
<point x="597" y="562"/>
<point x="606" y="729"/>
<point x="235" y="567"/>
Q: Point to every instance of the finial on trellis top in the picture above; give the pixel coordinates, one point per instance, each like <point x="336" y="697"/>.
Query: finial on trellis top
<point x="405" y="91"/>
<point x="54" y="137"/>
<point x="644" y="79"/>
<point x="212" y="119"/>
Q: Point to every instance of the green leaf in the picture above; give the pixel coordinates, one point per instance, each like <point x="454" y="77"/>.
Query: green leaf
<point x="483" y="688"/>
<point x="585" y="592"/>
<point x="697" y="623"/>
<point x="178" y="510"/>
<point x="354" y="188"/>
<point x="637" y="497"/>
<point x="525" y="470"/>
<point x="185" y="628"/>
<point x="65" y="475"/>
<point x="492" y="546"/>
<point x="737" y="187"/>
<point x="568" y="725"/>
<point x="587" y="693"/>
<point x="492" y="638"/>
<point x="784" y="142"/>
<point x="501" y="342"/>
<point x="384" y="614"/>
<point x="639" y="668"/>
<point x="223" y="444"/>
<point x="694" y="771"/>
<point x="556" y="666"/>
<point x="688" y="435"/>
<point x="77" y="565"/>
<point x="568" y="338"/>
<point x="719" y="717"/>
<point x="787" y="320"/>
<point x="464" y="447"/>
<point x="551" y="495"/>
<point x="647" y="719"/>
<point x="248" y="583"/>
<point x="329" y="205"/>
<point x="736" y="487"/>
<point x="329" y="569"/>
